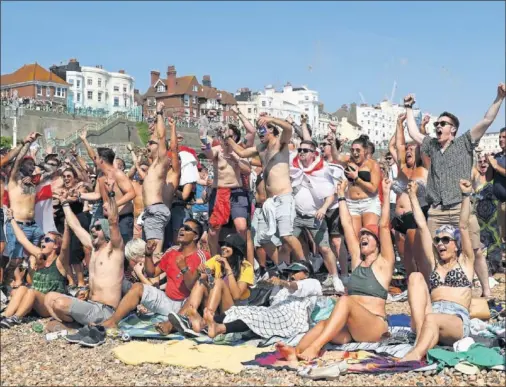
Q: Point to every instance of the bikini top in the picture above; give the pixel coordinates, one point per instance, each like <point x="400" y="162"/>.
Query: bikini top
<point x="400" y="186"/>
<point x="455" y="278"/>
<point x="363" y="282"/>
<point x="365" y="176"/>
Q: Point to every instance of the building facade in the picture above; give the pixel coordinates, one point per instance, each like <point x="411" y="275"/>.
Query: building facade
<point x="185" y="98"/>
<point x="32" y="81"/>
<point x="98" y="89"/>
<point x="291" y="101"/>
<point x="489" y="143"/>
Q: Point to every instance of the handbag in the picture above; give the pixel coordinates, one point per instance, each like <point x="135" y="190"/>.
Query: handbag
<point x="479" y="309"/>
<point x="259" y="296"/>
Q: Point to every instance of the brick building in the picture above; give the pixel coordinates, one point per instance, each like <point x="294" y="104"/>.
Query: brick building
<point x="34" y="81"/>
<point x="185" y="97"/>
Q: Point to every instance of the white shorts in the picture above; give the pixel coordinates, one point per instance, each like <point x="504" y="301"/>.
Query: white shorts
<point x="363" y="206"/>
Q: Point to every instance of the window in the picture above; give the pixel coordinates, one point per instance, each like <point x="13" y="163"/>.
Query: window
<point x="78" y="97"/>
<point x="249" y="110"/>
<point x="194" y="100"/>
<point x="78" y="83"/>
<point x="71" y="81"/>
<point x="90" y="94"/>
<point x="195" y="88"/>
<point x="306" y="98"/>
<point x="90" y="81"/>
<point x="306" y="109"/>
<point x="48" y="91"/>
<point x="116" y="101"/>
<point x="39" y="90"/>
<point x="368" y="122"/>
<point x="263" y="103"/>
<point x="160" y="88"/>
<point x="60" y="92"/>
<point x="99" y="82"/>
<point x="99" y="97"/>
<point x="116" y="88"/>
<point x="125" y="102"/>
<point x="124" y="89"/>
<point x="219" y="95"/>
<point x="186" y="101"/>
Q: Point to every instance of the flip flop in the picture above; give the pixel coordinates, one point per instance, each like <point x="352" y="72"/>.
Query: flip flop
<point x="467" y="368"/>
<point x="330" y="372"/>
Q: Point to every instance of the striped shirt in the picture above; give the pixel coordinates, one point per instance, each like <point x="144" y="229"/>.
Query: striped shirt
<point x="447" y="168"/>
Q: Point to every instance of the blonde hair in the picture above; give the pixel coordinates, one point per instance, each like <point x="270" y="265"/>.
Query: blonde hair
<point x="135" y="248"/>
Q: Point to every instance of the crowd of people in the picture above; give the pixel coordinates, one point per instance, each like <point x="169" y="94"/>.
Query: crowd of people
<point x="92" y="243"/>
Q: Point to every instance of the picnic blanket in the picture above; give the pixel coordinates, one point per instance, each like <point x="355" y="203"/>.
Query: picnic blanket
<point x="186" y="353"/>
<point x="358" y="362"/>
<point x="143" y="327"/>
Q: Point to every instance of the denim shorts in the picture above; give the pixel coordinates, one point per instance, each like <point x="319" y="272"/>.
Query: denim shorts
<point x="33" y="233"/>
<point x="448" y="307"/>
<point x="2" y="235"/>
<point x="363" y="206"/>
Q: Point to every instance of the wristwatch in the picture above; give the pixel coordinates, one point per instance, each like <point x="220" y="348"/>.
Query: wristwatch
<point x="466" y="194"/>
<point x="184" y="270"/>
<point x="341" y="198"/>
<point x="160" y="113"/>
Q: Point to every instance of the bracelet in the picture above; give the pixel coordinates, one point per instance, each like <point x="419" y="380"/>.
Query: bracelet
<point x="408" y="106"/>
<point x="111" y="194"/>
<point x="341" y="198"/>
<point x="184" y="270"/>
<point x="65" y="203"/>
<point x="160" y="113"/>
<point x="466" y="194"/>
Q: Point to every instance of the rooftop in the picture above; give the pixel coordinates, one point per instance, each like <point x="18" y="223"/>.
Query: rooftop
<point x="31" y="72"/>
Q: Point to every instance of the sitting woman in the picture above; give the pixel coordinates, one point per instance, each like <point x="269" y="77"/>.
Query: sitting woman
<point x="364" y="176"/>
<point x="440" y="313"/>
<point x="48" y="269"/>
<point x="291" y="305"/>
<point x="224" y="280"/>
<point x="360" y="315"/>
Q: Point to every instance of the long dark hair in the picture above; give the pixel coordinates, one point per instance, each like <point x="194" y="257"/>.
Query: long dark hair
<point x="235" y="261"/>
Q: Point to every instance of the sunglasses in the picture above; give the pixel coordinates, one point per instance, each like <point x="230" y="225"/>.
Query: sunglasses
<point x="151" y="142"/>
<point x="444" y="239"/>
<point x="187" y="228"/>
<point x="97" y="227"/>
<point x="305" y="150"/>
<point x="324" y="144"/>
<point x="442" y="124"/>
<point x="48" y="240"/>
<point x="52" y="164"/>
<point x="388" y="158"/>
<point x="68" y="176"/>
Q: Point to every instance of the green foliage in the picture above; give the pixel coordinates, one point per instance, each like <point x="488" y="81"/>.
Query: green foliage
<point x="5" y="142"/>
<point x="143" y="131"/>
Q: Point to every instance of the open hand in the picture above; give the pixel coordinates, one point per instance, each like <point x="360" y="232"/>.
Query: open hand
<point x="83" y="134"/>
<point x="159" y="106"/>
<point x="425" y="119"/>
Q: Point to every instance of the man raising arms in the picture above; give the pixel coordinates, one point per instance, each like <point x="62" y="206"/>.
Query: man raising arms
<point x="156" y="212"/>
<point x="106" y="266"/>
<point x="273" y="151"/>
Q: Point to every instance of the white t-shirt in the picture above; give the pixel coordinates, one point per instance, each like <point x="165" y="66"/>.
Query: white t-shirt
<point x="392" y="175"/>
<point x="305" y="288"/>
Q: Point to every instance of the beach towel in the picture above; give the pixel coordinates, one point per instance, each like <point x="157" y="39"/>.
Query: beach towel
<point x="187" y="354"/>
<point x="143" y="327"/>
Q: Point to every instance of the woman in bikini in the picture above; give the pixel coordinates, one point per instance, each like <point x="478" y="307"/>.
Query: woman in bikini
<point x="360" y="315"/>
<point x="440" y="312"/>
<point x="47" y="272"/>
<point x="364" y="176"/>
<point x="410" y="166"/>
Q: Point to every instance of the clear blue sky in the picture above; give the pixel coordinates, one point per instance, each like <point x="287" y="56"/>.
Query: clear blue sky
<point x="450" y="54"/>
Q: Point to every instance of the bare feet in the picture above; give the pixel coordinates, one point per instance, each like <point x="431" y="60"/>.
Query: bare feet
<point x="287" y="352"/>
<point x="411" y="356"/>
<point x="108" y="324"/>
<point x="196" y="321"/>
<point x="309" y="353"/>
<point x="213" y="329"/>
<point x="164" y="328"/>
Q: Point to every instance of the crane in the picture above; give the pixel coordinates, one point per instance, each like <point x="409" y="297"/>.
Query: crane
<point x="362" y="97"/>
<point x="394" y="88"/>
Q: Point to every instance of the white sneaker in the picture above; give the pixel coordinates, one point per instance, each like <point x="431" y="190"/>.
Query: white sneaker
<point x="338" y="285"/>
<point x="328" y="282"/>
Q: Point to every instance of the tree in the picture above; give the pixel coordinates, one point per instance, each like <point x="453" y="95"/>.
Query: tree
<point x="143" y="131"/>
<point x="5" y="142"/>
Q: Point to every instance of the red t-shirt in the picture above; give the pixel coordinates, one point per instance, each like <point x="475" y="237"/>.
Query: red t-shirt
<point x="176" y="289"/>
<point x="192" y="151"/>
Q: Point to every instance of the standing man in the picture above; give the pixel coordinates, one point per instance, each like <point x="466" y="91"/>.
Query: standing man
<point x="156" y="211"/>
<point x="451" y="161"/>
<point x="498" y="163"/>
<point x="279" y="208"/>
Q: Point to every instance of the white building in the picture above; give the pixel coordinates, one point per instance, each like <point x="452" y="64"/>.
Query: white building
<point x="489" y="143"/>
<point x="96" y="88"/>
<point x="291" y="101"/>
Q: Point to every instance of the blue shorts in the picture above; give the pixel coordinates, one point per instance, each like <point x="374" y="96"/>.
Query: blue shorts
<point x="33" y="233"/>
<point x="448" y="307"/>
<point x="2" y="235"/>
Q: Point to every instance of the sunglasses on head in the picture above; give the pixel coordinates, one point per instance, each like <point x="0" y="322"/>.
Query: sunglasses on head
<point x="187" y="228"/>
<point x="48" y="240"/>
<point x="441" y="123"/>
<point x="305" y="150"/>
<point x="97" y="227"/>
<point x="444" y="239"/>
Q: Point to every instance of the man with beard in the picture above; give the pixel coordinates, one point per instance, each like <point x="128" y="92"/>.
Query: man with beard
<point x="106" y="266"/>
<point x="159" y="184"/>
<point x="228" y="198"/>
<point x="279" y="208"/>
<point x="22" y="198"/>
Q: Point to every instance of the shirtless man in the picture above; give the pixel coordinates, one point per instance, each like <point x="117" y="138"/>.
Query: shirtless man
<point x="155" y="189"/>
<point x="228" y="198"/>
<point x="104" y="159"/>
<point x="106" y="266"/>
<point x="137" y="174"/>
<point x="274" y="153"/>
<point x="22" y="197"/>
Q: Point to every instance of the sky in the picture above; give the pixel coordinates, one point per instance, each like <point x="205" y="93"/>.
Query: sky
<point x="451" y="55"/>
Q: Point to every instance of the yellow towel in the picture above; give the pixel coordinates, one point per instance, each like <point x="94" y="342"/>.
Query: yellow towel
<point x="186" y="353"/>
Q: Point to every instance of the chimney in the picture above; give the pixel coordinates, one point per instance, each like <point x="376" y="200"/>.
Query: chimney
<point x="155" y="76"/>
<point x="73" y="60"/>
<point x="171" y="79"/>
<point x="121" y="71"/>
<point x="206" y="80"/>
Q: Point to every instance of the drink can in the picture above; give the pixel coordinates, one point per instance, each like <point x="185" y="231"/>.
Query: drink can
<point x="54" y="335"/>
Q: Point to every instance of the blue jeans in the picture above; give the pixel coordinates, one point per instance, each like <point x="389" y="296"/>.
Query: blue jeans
<point x="33" y="233"/>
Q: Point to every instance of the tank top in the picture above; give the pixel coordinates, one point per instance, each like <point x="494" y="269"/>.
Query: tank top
<point x="49" y="279"/>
